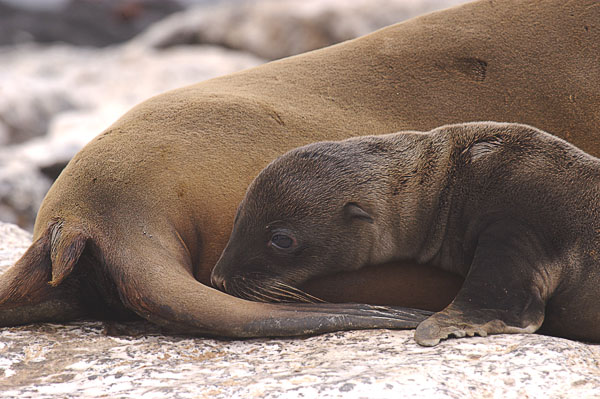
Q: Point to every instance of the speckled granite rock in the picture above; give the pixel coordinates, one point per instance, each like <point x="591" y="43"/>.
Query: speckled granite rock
<point x="79" y="360"/>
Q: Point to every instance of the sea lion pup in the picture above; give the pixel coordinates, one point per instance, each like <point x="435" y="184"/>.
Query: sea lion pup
<point x="137" y="220"/>
<point x="514" y="210"/>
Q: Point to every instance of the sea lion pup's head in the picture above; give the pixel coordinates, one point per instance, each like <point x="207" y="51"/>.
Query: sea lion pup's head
<point x="319" y="209"/>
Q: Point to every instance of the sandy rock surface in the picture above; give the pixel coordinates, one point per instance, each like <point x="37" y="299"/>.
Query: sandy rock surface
<point x="79" y="360"/>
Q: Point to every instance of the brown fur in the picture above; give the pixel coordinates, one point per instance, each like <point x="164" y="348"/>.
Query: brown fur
<point x="156" y="193"/>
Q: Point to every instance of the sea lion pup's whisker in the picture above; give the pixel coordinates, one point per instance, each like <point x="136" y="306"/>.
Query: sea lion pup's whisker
<point x="291" y="289"/>
<point x="278" y="294"/>
<point x="233" y="288"/>
<point x="236" y="289"/>
<point x="266" y="298"/>
<point x="250" y="295"/>
<point x="298" y="291"/>
<point x="255" y="290"/>
<point x="285" y="296"/>
<point x="242" y="292"/>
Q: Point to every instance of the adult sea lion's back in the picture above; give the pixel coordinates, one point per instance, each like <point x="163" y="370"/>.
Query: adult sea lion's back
<point x="150" y="202"/>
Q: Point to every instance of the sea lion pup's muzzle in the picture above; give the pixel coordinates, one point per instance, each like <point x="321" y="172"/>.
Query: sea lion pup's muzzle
<point x="256" y="285"/>
<point x="218" y="282"/>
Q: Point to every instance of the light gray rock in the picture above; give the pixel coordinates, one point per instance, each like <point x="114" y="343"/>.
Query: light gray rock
<point x="78" y="360"/>
<point x="22" y="189"/>
<point x="101" y="85"/>
<point x="13" y="242"/>
<point x="274" y="29"/>
<point x="25" y="114"/>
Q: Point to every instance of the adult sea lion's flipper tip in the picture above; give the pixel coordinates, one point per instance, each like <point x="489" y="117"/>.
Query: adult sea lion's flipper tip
<point x="354" y="316"/>
<point x="31" y="290"/>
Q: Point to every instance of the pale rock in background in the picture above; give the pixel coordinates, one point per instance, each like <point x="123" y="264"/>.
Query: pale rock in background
<point x="79" y="22"/>
<point x="275" y="29"/>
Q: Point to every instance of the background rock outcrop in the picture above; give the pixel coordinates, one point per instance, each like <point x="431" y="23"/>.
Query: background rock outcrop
<point x="79" y="22"/>
<point x="274" y="29"/>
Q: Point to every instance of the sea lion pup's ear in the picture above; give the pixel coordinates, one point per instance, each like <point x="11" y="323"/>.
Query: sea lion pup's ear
<point x="483" y="147"/>
<point x="354" y="210"/>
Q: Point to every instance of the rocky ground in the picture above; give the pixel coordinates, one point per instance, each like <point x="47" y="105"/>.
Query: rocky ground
<point x="80" y="360"/>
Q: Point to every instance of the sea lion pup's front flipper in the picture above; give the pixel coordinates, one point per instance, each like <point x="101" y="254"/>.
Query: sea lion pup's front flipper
<point x="504" y="292"/>
<point x="163" y="290"/>
<point x="34" y="290"/>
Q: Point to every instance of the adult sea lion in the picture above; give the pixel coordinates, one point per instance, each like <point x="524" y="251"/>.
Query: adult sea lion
<point x="139" y="217"/>
<point x="512" y="209"/>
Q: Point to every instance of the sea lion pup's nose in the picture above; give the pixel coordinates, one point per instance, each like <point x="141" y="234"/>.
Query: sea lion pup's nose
<point x="218" y="282"/>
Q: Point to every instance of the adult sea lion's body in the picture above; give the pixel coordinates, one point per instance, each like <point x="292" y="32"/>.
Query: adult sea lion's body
<point x="512" y="209"/>
<point x="140" y="216"/>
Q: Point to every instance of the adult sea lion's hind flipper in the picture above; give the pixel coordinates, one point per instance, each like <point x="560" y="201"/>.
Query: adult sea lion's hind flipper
<point x="309" y="319"/>
<point x="31" y="290"/>
<point x="367" y="316"/>
<point x="167" y="294"/>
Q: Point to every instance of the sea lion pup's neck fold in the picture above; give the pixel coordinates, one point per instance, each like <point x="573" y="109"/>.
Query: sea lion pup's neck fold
<point x="414" y="175"/>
